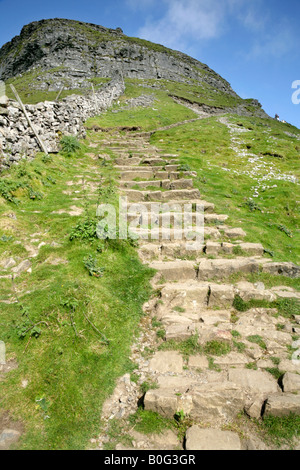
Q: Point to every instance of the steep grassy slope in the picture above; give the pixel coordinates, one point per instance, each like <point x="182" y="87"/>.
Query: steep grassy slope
<point x="255" y="191"/>
<point x="69" y="331"/>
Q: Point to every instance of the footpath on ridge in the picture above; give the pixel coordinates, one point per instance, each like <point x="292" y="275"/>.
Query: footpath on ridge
<point x="193" y="303"/>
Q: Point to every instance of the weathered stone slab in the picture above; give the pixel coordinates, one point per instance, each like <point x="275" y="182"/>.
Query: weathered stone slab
<point x="23" y="266"/>
<point x="217" y="403"/>
<point x="291" y="382"/>
<point x="233" y="359"/>
<point x="258" y="382"/>
<point x="190" y="295"/>
<point x="166" y="361"/>
<point x="211" y="439"/>
<point x="282" y="404"/>
<point x="235" y="232"/>
<point x="198" y="362"/>
<point x="283" y="269"/>
<point x="8" y="437"/>
<point x="211" y="317"/>
<point x="175" y="270"/>
<point x="221" y="296"/>
<point x="222" y="268"/>
<point x="202" y="402"/>
<point x="248" y="291"/>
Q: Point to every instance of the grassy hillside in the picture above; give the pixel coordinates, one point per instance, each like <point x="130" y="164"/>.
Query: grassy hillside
<point x="270" y="216"/>
<point x="68" y="330"/>
<point x="226" y="177"/>
<point x="70" y="322"/>
<point x="28" y="86"/>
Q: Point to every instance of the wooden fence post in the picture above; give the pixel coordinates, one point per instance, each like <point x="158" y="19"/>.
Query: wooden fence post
<point x="59" y="93"/>
<point x="41" y="144"/>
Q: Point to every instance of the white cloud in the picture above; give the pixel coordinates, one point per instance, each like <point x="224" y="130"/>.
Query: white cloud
<point x="186" y="20"/>
<point x="188" y="25"/>
<point x="274" y="45"/>
<point x="140" y="4"/>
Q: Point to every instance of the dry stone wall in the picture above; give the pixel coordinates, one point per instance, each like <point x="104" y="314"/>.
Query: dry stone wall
<point x="51" y="120"/>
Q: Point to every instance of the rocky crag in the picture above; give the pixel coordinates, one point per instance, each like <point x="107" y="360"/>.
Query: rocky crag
<point x="78" y="51"/>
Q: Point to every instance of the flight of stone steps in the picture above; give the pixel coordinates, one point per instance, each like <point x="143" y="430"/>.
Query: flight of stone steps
<point x="194" y="300"/>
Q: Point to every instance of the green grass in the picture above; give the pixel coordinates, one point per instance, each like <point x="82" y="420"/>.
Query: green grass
<point x="281" y="431"/>
<point x="271" y="219"/>
<point x="163" y="112"/>
<point x="217" y="348"/>
<point x="70" y="332"/>
<point x="28" y="86"/>
<point x="286" y="307"/>
<point x="187" y="347"/>
<point x="257" y="340"/>
<point x="148" y="422"/>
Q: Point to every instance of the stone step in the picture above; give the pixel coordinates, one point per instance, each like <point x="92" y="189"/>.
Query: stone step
<point x="164" y="184"/>
<point x="138" y="173"/>
<point x="168" y="219"/>
<point x="211" y="439"/>
<point x="193" y="296"/>
<point x="145" y="174"/>
<point x="215" y="402"/>
<point x="282" y="268"/>
<point x="220" y="268"/>
<point x="150" y="252"/>
<point x="235" y="232"/>
<point x="128" y="162"/>
<point x="213" y="218"/>
<point x="170" y="169"/>
<point x="135" y="168"/>
<point x="172" y="195"/>
<point x="283" y="404"/>
<point x="154" y="161"/>
<point x="210" y="396"/>
<point x="223" y="268"/>
<point x="175" y="206"/>
<point x="134" y="151"/>
<point x="215" y="248"/>
<point x="182" y="183"/>
<point x="159" y="235"/>
<point x="173" y="168"/>
<point x="141" y="184"/>
<point x="136" y="142"/>
<point x="175" y="270"/>
<point x="175" y="250"/>
<point x="129" y="148"/>
<point x="207" y="269"/>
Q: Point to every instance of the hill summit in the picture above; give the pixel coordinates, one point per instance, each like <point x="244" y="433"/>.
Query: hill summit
<point x="83" y="50"/>
<point x="55" y="53"/>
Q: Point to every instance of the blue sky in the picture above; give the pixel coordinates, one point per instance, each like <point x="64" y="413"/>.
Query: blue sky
<point x="254" y="44"/>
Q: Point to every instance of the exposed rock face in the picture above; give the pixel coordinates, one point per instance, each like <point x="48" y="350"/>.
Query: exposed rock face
<point x="80" y="51"/>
